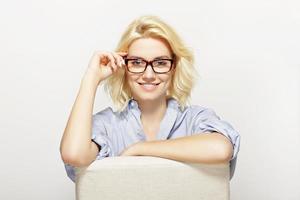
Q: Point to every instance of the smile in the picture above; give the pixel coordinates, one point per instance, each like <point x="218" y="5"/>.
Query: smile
<point x="148" y="87"/>
<point x="149" y="83"/>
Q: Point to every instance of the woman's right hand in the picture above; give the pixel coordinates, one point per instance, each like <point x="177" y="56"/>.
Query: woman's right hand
<point x="104" y="63"/>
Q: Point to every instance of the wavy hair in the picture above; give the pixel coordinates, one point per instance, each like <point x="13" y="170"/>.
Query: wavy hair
<point x="185" y="74"/>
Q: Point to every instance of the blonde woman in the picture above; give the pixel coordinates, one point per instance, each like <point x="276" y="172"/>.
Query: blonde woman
<point x="149" y="78"/>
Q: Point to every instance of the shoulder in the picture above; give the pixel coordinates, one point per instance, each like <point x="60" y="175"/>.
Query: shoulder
<point x="108" y="115"/>
<point x="105" y="112"/>
<point x="191" y="112"/>
<point x="199" y="111"/>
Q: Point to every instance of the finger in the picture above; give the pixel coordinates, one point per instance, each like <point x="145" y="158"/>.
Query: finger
<point x="122" y="55"/>
<point x="112" y="61"/>
<point x="118" y="59"/>
<point x="104" y="57"/>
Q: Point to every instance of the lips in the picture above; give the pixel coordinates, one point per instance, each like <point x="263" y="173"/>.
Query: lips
<point x="149" y="83"/>
<point x="149" y="87"/>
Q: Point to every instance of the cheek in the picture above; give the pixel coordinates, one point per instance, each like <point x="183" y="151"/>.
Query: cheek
<point x="167" y="80"/>
<point x="168" y="83"/>
<point x="130" y="80"/>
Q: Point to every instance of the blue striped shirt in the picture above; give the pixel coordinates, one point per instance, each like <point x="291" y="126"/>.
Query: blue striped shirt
<point x="115" y="131"/>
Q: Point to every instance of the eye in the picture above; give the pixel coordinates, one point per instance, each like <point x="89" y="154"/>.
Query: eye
<point x="161" y="62"/>
<point x="136" y="62"/>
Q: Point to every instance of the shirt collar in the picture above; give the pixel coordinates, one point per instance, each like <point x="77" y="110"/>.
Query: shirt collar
<point x="172" y="103"/>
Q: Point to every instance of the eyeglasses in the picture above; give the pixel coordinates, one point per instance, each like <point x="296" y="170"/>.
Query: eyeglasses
<point x="139" y="65"/>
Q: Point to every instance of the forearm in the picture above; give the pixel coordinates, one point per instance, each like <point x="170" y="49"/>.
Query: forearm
<point x="200" y="148"/>
<point x="76" y="140"/>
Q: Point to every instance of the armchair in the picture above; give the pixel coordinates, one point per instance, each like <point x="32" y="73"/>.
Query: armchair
<point x="151" y="178"/>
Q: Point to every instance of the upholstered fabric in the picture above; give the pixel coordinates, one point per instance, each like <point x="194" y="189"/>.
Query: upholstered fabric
<point x="151" y="178"/>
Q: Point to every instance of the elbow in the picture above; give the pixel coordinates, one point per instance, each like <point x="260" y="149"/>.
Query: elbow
<point x="221" y="148"/>
<point x="225" y="148"/>
<point x="226" y="152"/>
<point x="74" y="159"/>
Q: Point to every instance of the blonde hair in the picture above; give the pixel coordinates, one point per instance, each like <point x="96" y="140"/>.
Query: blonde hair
<point x="185" y="75"/>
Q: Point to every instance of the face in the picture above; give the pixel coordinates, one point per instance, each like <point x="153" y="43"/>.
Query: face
<point x="149" y="85"/>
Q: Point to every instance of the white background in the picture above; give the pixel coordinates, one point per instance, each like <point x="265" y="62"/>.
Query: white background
<point x="247" y="54"/>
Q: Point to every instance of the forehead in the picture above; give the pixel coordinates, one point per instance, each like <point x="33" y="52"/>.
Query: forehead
<point x="149" y="48"/>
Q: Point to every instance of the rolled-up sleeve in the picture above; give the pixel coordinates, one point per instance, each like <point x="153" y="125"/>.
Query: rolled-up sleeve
<point x="99" y="136"/>
<point x="206" y="120"/>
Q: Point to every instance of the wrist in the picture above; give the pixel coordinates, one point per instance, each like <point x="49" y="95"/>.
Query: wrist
<point x="91" y="77"/>
<point x="138" y="148"/>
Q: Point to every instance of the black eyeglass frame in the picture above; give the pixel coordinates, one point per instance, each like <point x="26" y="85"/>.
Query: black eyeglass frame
<point x="148" y="63"/>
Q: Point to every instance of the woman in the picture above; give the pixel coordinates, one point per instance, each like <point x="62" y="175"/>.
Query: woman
<point x="149" y="78"/>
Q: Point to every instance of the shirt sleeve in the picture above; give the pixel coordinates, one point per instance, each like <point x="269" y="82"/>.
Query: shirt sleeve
<point x="206" y="120"/>
<point x="100" y="137"/>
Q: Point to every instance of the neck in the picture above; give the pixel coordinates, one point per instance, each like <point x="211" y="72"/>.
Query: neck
<point x="153" y="110"/>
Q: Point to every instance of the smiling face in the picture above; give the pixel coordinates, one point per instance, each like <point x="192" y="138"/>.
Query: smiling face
<point x="149" y="85"/>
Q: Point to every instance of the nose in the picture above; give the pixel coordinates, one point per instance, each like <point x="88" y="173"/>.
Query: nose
<point x="149" y="73"/>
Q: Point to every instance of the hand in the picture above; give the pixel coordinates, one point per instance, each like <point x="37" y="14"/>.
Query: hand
<point x="103" y="63"/>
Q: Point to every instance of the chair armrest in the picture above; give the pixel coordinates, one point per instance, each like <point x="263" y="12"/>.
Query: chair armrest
<point x="151" y="178"/>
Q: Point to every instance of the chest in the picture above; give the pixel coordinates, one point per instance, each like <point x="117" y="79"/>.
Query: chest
<point x="151" y="132"/>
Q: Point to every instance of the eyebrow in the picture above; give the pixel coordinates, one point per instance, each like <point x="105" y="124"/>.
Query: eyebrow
<point x="159" y="57"/>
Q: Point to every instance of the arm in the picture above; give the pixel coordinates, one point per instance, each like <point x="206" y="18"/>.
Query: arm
<point x="199" y="148"/>
<point x="76" y="147"/>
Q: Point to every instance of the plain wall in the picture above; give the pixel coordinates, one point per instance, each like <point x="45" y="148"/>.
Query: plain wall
<point x="247" y="53"/>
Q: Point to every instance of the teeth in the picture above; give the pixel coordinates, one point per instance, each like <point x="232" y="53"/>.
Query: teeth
<point x="148" y="86"/>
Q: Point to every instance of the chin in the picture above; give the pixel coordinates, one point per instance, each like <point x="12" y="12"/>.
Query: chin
<point x="146" y="97"/>
<point x="140" y="94"/>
